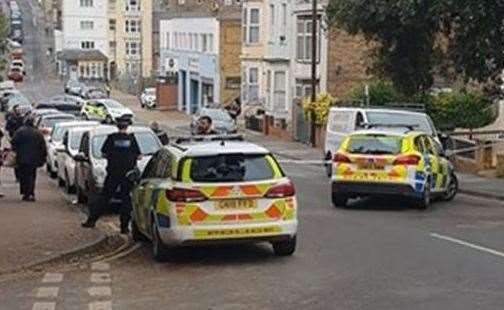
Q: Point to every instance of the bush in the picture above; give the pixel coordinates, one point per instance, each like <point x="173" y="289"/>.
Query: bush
<point x="380" y="93"/>
<point x="320" y="107"/>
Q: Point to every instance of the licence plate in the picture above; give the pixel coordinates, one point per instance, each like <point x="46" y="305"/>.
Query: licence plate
<point x="236" y="204"/>
<point x="372" y="166"/>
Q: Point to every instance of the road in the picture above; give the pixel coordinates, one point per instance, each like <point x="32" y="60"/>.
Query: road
<point x="377" y="254"/>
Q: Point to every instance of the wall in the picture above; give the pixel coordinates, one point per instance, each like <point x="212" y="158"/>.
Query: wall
<point x="347" y="62"/>
<point x="229" y="58"/>
<point x="73" y="14"/>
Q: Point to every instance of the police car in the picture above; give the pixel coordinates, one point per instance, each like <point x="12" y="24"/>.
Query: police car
<point x="105" y="110"/>
<point x="392" y="161"/>
<point x="212" y="190"/>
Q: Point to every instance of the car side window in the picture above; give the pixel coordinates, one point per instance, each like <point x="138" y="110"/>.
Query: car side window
<point x="359" y="120"/>
<point x="84" y="146"/>
<point x="163" y="169"/>
<point x="150" y="169"/>
<point x="419" y="145"/>
<point x="431" y="146"/>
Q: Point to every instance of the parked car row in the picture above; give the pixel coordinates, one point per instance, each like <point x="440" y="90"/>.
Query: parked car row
<point x="80" y="89"/>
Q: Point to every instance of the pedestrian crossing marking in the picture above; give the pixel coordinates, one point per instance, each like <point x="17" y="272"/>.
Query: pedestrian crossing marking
<point x="47" y="292"/>
<point x="100" y="278"/>
<point x="44" y="306"/>
<point x="99" y="291"/>
<point x="52" y="278"/>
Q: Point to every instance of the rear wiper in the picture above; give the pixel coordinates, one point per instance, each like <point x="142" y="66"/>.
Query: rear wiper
<point x="378" y="152"/>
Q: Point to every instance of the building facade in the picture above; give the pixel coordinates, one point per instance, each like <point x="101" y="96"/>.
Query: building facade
<point x="203" y="40"/>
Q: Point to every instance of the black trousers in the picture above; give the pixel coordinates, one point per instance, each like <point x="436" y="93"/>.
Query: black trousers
<point x="110" y="187"/>
<point x="27" y="177"/>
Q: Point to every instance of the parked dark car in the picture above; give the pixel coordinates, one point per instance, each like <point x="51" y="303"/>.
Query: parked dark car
<point x="46" y="122"/>
<point x="64" y="107"/>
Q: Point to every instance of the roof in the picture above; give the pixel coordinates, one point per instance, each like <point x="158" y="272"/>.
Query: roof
<point x="80" y="54"/>
<point x="77" y="123"/>
<point x="209" y="148"/>
<point x="108" y="129"/>
<point x="60" y="115"/>
<point x="386" y="131"/>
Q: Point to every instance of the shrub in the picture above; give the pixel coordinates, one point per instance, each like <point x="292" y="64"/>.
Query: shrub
<point x="320" y="107"/>
<point x="380" y="93"/>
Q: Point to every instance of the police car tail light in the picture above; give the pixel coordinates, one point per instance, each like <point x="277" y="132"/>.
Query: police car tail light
<point x="185" y="195"/>
<point x="281" y="190"/>
<point x="340" y="158"/>
<point x="407" y="160"/>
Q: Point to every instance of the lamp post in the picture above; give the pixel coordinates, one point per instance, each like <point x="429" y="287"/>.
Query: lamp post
<point x="313" y="71"/>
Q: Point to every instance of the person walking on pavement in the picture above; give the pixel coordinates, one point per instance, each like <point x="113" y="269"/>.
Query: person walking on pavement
<point x="14" y="121"/>
<point x="31" y="153"/>
<point x="122" y="152"/>
<point x="161" y="134"/>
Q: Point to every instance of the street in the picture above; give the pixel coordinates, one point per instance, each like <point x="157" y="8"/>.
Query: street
<point x="376" y="254"/>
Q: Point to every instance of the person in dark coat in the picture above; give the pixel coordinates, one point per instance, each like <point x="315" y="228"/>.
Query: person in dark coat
<point x="14" y="121"/>
<point x="31" y="153"/>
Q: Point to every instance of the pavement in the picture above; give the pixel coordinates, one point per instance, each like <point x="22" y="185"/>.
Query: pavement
<point x="376" y="254"/>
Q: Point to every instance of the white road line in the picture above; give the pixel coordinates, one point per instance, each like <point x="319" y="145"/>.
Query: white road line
<point x="468" y="244"/>
<point x="100" y="266"/>
<point x="52" y="278"/>
<point x="100" y="278"/>
<point x="101" y="305"/>
<point x="100" y="291"/>
<point x="44" y="306"/>
<point x="47" y="292"/>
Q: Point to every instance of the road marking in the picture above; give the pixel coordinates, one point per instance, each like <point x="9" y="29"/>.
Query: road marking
<point x="52" y="278"/>
<point x="47" y="292"/>
<point x="44" y="306"/>
<point x="100" y="305"/>
<point x="100" y="266"/>
<point x="100" y="278"/>
<point x="100" y="291"/>
<point x="468" y="244"/>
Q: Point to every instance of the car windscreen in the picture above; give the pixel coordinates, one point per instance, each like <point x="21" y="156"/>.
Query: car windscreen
<point x="419" y="121"/>
<point x="230" y="168"/>
<point x="75" y="140"/>
<point x="147" y="142"/>
<point x="113" y="104"/>
<point x="50" y="122"/>
<point x="216" y="115"/>
<point x="374" y="144"/>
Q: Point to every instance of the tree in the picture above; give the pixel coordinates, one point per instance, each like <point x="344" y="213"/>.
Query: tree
<point x="4" y="31"/>
<point x="412" y="37"/>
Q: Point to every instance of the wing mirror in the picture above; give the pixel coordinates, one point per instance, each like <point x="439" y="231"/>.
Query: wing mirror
<point x="80" y="157"/>
<point x="134" y="176"/>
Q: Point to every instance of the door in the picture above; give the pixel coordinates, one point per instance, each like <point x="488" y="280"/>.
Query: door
<point x="194" y="96"/>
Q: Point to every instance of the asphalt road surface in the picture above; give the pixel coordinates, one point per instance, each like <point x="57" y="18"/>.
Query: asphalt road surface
<point x="377" y="254"/>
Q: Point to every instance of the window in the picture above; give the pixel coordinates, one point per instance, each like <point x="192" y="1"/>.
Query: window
<point x="253" y="84"/>
<point x="375" y="145"/>
<point x="167" y="43"/>
<point x="132" y="25"/>
<point x="272" y="15"/>
<point x="304" y="88"/>
<point x="204" y="43"/>
<point x="244" y="91"/>
<point x="86" y="25"/>
<point x="251" y="26"/>
<point x="86" y="45"/>
<point x="268" y="89"/>
<point x="132" y="48"/>
<point x="132" y="5"/>
<point x="210" y="43"/>
<point x="133" y="67"/>
<point x="280" y="91"/>
<point x="196" y="42"/>
<point x="86" y="3"/>
<point x="304" y="39"/>
<point x="112" y="24"/>
<point x="284" y="14"/>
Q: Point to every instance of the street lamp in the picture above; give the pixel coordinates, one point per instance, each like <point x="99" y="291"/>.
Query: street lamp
<point x="313" y="71"/>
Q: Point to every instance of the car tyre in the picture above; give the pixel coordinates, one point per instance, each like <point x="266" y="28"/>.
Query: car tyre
<point x="452" y="188"/>
<point x="339" y="200"/>
<point x="328" y="165"/>
<point x="135" y="232"/>
<point x="160" y="251"/>
<point x="424" y="201"/>
<point x="285" y="248"/>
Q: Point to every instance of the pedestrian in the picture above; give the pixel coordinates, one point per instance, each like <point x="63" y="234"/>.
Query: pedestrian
<point x="1" y="161"/>
<point x="122" y="152"/>
<point x="205" y="126"/>
<point x="31" y="153"/>
<point x="161" y="134"/>
<point x="107" y="89"/>
<point x="14" y="121"/>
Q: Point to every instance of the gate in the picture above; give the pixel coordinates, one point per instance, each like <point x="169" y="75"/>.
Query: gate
<point x="302" y="132"/>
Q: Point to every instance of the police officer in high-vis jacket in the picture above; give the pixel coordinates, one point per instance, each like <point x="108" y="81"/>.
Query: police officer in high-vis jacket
<point x="122" y="152"/>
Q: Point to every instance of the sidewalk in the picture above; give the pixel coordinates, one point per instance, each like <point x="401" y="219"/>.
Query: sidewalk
<point x="35" y="232"/>
<point x="485" y="187"/>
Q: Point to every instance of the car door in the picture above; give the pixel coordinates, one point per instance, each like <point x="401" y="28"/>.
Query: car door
<point x="439" y="164"/>
<point x="84" y="169"/>
<point x="140" y="206"/>
<point x="432" y="161"/>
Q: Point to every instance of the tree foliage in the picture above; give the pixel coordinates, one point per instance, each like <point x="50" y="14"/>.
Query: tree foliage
<point x="4" y="31"/>
<point x="413" y="36"/>
<point x="380" y="93"/>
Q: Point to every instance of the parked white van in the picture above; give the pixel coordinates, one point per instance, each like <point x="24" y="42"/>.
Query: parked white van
<point x="345" y="120"/>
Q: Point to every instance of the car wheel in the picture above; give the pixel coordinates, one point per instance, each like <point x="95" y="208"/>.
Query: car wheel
<point x="108" y="119"/>
<point x="285" y="248"/>
<point x="81" y="198"/>
<point x="68" y="188"/>
<point x="452" y="188"/>
<point x="339" y="200"/>
<point x="159" y="250"/>
<point x="135" y="232"/>
<point x="424" y="201"/>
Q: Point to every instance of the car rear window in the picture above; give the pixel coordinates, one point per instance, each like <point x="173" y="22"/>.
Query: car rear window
<point x="230" y="168"/>
<point x="147" y="142"/>
<point x="50" y="122"/>
<point x="375" y="144"/>
<point x="420" y="121"/>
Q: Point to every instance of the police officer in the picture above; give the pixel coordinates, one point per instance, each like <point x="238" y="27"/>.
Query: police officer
<point x="122" y="152"/>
